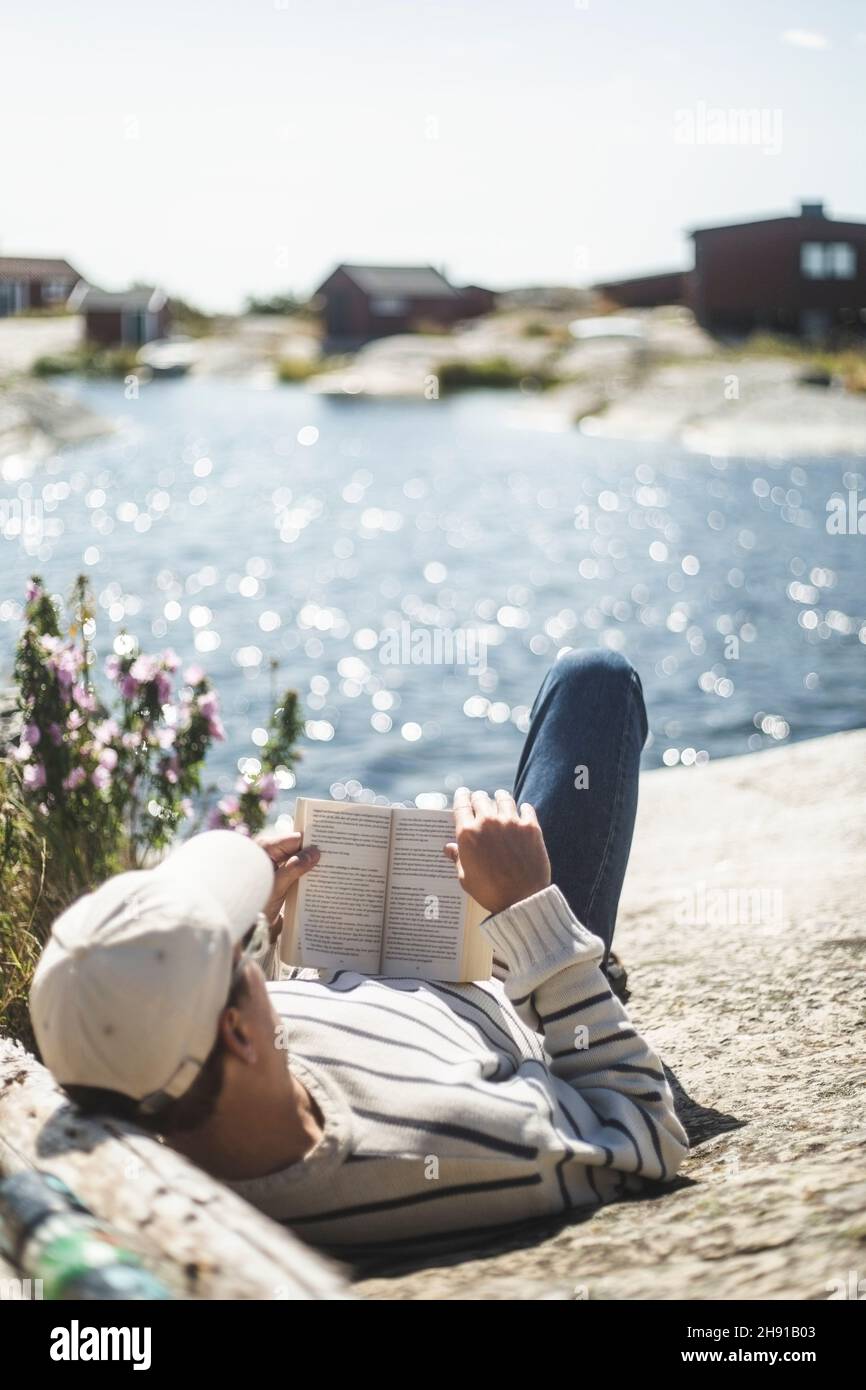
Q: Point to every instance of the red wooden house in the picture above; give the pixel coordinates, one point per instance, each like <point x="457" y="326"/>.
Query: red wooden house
<point x="803" y="275"/>
<point x="34" y="282"/>
<point x="122" y="318"/>
<point x="361" y="302"/>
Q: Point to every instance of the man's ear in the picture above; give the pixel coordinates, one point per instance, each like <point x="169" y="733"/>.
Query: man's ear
<point x="236" y="1036"/>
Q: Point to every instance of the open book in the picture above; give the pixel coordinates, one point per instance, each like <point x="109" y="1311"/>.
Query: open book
<point x="383" y="899"/>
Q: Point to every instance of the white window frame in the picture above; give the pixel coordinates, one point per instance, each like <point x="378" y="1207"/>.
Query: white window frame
<point x="389" y="306"/>
<point x="828" y="260"/>
<point x="55" y="291"/>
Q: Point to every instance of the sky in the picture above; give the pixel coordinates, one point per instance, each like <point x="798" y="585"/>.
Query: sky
<point x="247" y="146"/>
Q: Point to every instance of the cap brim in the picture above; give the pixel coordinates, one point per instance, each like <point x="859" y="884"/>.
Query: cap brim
<point x="230" y="868"/>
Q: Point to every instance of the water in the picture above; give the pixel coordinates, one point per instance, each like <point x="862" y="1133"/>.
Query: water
<point x="238" y="524"/>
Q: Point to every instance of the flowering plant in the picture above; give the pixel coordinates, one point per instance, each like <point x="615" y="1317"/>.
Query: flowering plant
<point x="246" y="809"/>
<point x="112" y="783"/>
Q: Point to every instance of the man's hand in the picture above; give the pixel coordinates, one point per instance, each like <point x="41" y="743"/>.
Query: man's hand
<point x="500" y="854"/>
<point x="290" y="863"/>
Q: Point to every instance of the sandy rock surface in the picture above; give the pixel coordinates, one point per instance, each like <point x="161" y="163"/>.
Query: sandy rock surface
<point x="22" y="340"/>
<point x="757" y="408"/>
<point x="37" y="418"/>
<point x="742" y="928"/>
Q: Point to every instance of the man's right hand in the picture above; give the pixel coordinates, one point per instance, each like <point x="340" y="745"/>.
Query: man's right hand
<point x="499" y="851"/>
<point x="290" y="863"/>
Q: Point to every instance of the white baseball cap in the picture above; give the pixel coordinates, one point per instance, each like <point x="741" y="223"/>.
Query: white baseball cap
<point x="129" y="989"/>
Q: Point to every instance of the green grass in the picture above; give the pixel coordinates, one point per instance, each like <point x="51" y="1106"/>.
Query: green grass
<point x="47" y="311"/>
<point x="297" y="369"/>
<point x="89" y="360"/>
<point x="29" y="902"/>
<point x="847" y="365"/>
<point x="496" y="372"/>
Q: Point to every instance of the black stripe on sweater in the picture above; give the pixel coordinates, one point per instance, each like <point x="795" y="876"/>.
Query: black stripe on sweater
<point x="610" y="1037"/>
<point x="410" y="1018"/>
<point x="473" y="1004"/>
<point x="617" y="1124"/>
<point x="379" y="1038"/>
<point x="435" y="1194"/>
<point x="453" y="1015"/>
<point x="448" y="1131"/>
<point x="575" y="1128"/>
<point x="499" y="1091"/>
<point x="654" y="1135"/>
<point x="418" y="998"/>
<point x="637" y="1071"/>
<point x="575" y="1008"/>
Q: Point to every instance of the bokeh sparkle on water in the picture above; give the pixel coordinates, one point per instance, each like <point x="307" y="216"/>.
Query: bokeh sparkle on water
<point x="238" y="525"/>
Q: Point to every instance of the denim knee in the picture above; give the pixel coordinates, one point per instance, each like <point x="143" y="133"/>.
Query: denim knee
<point x="574" y="669"/>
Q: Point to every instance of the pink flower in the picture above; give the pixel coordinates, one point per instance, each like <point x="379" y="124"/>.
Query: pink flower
<point x="31" y="734"/>
<point x="208" y="703"/>
<point x="34" y="776"/>
<point x="208" y="707"/>
<point x="83" y="697"/>
<point x="165" y="738"/>
<point x="112" y="667"/>
<point x="67" y="666"/>
<point x="131" y="740"/>
<point x="128" y="687"/>
<point x="226" y="808"/>
<point x="144" y="668"/>
<point x="51" y="645"/>
<point x="75" y="720"/>
<point x="108" y="759"/>
<point x="163" y="687"/>
<point x="22" y="752"/>
<point x="106" y="731"/>
<point x="55" y="733"/>
<point x="186" y="807"/>
<point x="74" y="779"/>
<point x="267" y="788"/>
<point x="33" y="591"/>
<point x="101" y="778"/>
<point x="193" y="675"/>
<point x="170" y="659"/>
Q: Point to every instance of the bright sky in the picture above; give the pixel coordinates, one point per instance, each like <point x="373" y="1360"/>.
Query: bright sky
<point x="233" y="146"/>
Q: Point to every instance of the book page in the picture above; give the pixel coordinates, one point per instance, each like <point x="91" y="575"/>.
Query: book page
<point x="335" y="919"/>
<point x="426" y="910"/>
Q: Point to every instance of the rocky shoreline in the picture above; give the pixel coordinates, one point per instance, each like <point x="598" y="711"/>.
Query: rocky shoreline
<point x="661" y="380"/>
<point x="36" y="420"/>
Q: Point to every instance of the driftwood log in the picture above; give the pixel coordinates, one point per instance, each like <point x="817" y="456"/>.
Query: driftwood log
<point x="212" y="1243"/>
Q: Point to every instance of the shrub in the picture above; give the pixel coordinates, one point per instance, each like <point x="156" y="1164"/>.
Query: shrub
<point x="89" y="360"/>
<point x="90" y="788"/>
<point x="493" y="371"/>
<point x="497" y="372"/>
<point x="297" y="368"/>
<point x="29" y="900"/>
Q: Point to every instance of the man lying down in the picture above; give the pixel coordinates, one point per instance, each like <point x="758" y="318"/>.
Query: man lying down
<point x="380" y="1115"/>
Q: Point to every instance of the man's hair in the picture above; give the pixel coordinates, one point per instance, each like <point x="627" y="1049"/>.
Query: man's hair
<point x="188" y="1111"/>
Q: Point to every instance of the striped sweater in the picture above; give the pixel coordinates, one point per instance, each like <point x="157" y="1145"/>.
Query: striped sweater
<point x="452" y="1110"/>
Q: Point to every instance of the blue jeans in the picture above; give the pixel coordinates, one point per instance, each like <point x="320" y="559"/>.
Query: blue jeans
<point x="579" y="769"/>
